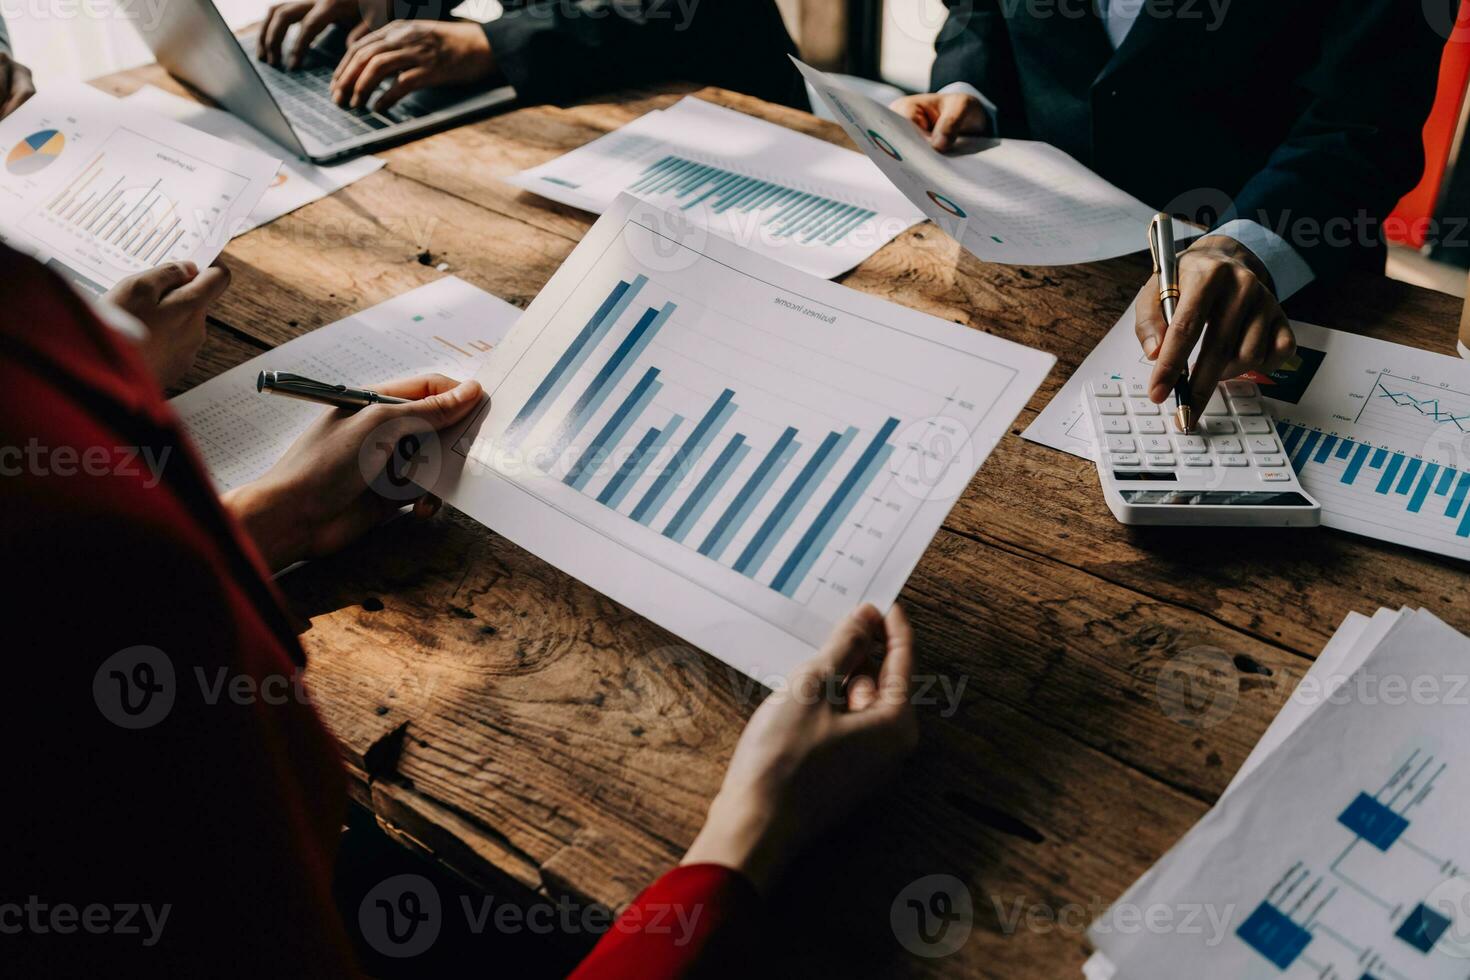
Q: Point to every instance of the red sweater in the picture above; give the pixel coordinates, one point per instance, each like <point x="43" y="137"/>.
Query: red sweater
<point x="174" y="801"/>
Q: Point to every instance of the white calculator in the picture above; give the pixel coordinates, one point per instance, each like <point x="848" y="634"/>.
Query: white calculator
<point x="1232" y="470"/>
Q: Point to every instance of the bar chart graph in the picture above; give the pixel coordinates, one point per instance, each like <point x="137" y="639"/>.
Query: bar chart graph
<point x="738" y="450"/>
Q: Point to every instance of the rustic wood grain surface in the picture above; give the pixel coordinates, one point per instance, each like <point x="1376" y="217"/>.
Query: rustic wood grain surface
<point x="514" y="724"/>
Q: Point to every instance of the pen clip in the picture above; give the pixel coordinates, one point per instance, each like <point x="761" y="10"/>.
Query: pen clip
<point x="301" y="383"/>
<point x="1153" y="242"/>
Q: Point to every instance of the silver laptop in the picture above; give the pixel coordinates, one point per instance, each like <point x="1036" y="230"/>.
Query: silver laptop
<point x="295" y="108"/>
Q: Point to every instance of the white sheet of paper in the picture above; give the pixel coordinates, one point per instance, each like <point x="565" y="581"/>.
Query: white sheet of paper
<point x="1353" y="395"/>
<point x="298" y="182"/>
<point x="1018" y="202"/>
<point x="447" y="326"/>
<point x="793" y="198"/>
<point x="101" y="190"/>
<point x="737" y="450"/>
<point x="1341" y="854"/>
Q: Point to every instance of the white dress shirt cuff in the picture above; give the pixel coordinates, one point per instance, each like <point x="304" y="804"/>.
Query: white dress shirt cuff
<point x="965" y="88"/>
<point x="1289" y="271"/>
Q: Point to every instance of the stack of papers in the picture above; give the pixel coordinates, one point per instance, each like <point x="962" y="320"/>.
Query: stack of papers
<point x="1339" y="850"/>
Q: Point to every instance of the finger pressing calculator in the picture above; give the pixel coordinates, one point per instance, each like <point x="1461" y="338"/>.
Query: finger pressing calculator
<point x="1231" y="470"/>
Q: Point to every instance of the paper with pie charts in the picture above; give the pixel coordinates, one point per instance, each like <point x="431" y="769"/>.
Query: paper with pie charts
<point x="739" y="451"/>
<point x="1012" y="201"/>
<point x="794" y="198"/>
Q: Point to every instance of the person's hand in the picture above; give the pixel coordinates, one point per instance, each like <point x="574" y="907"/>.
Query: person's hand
<point x="314" y="16"/>
<point x="172" y="301"/>
<point x="422" y="53"/>
<point x="335" y="482"/>
<point x="1226" y="293"/>
<point x="813" y="751"/>
<point x="943" y="117"/>
<point x="15" y="84"/>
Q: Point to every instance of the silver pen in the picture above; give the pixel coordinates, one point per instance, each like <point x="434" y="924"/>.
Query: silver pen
<point x="1166" y="266"/>
<point x="298" y="386"/>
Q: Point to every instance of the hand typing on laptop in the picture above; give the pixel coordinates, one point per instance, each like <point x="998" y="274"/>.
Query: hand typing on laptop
<point x="420" y="53"/>
<point x="314" y="16"/>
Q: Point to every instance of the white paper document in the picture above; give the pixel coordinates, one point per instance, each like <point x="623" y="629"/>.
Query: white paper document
<point x="99" y="189"/>
<point x="1337" y="853"/>
<point x="446" y="327"/>
<point x="1378" y="432"/>
<point x="791" y="197"/>
<point x="739" y="451"/>
<point x="296" y="184"/>
<point x="1013" y="201"/>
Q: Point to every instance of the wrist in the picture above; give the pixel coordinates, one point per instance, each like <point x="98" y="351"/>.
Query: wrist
<point x="746" y="838"/>
<point x="263" y="512"/>
<point x="1229" y="248"/>
<point x="478" y="54"/>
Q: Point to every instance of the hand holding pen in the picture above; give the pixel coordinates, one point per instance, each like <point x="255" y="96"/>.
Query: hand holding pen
<point x="1225" y="295"/>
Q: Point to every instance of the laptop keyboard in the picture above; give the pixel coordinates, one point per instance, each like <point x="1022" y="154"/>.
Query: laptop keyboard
<point x="305" y="97"/>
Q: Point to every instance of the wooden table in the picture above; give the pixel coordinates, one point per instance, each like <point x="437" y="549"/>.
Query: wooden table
<point x="514" y="724"/>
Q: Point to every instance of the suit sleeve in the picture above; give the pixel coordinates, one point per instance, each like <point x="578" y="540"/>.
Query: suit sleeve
<point x="1358" y="146"/>
<point x="700" y="921"/>
<point x="974" y="47"/>
<point x="553" y="51"/>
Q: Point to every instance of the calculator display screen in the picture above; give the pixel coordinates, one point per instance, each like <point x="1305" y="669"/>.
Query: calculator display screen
<point x="1216" y="498"/>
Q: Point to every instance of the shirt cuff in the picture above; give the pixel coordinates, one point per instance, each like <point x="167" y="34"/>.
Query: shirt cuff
<point x="965" y="88"/>
<point x="1289" y="271"/>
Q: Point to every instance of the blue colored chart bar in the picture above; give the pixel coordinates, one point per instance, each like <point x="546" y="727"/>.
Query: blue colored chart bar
<point x="1421" y="490"/>
<point x="612" y="372"/>
<point x="1378" y="457"/>
<point x="1461" y="488"/>
<point x="1351" y="473"/>
<point x="648" y="448"/>
<point x="792" y="501"/>
<point x="686" y="458"/>
<point x="835" y="511"/>
<point x="1389" y="473"/>
<point x="1304" y="452"/>
<point x="709" y="485"/>
<point x="1325" y="449"/>
<point x="750" y="495"/>
<point x="1344" y="448"/>
<point x="1446" y="477"/>
<point x="573" y="357"/>
<point x="1291" y="437"/>
<point x="1407" y="479"/>
<point x="612" y="433"/>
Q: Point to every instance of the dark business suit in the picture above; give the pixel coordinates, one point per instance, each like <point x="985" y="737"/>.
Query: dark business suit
<point x="1303" y="112"/>
<point x="554" y="50"/>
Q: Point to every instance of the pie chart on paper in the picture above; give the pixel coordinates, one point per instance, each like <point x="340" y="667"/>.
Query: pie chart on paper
<point x="35" y="153"/>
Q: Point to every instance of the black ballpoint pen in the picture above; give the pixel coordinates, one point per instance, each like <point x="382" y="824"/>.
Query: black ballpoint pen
<point x="1166" y="267"/>
<point x="297" y="386"/>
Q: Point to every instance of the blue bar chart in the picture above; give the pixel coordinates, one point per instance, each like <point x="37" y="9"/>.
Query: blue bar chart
<point x="1392" y="485"/>
<point x="787" y="211"/>
<point x="677" y="474"/>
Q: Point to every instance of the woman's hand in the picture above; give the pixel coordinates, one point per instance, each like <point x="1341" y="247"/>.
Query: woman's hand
<point x="15" y="84"/>
<point x="315" y="16"/>
<point x="171" y="301"/>
<point x="943" y="117"/>
<point x="351" y="471"/>
<point x="813" y="751"/>
<point x="1225" y="293"/>
<point x="421" y="53"/>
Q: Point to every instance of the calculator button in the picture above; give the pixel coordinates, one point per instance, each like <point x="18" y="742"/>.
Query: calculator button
<point x="1198" y="461"/>
<point x="1142" y="406"/>
<point x="1151" y="427"/>
<point x="1157" y="444"/>
<point x="1255" y="426"/>
<point x="1111" y="406"/>
<point x="1116" y="426"/>
<point x="1216" y="427"/>
<point x="1137" y="389"/>
<point x="1189" y="444"/>
<point x="1228" y="444"/>
<point x="1263" y="444"/>
<point x="1230" y="459"/>
<point x="1270" y="460"/>
<point x="1164" y="460"/>
<point x="1247" y="406"/>
<point x="1121" y="444"/>
<point x="1216" y="405"/>
<point x="1273" y="476"/>
<point x="1241" y="389"/>
<point x="1125" y="459"/>
<point x="1108" y="389"/>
